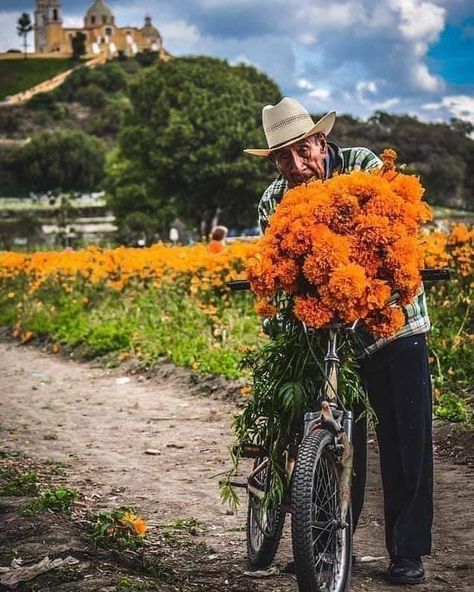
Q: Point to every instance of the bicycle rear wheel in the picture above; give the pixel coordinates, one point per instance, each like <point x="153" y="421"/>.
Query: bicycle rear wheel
<point x="264" y="525"/>
<point x="322" y="545"/>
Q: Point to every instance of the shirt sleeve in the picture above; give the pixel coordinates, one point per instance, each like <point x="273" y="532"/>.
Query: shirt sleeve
<point x="268" y="202"/>
<point x="367" y="160"/>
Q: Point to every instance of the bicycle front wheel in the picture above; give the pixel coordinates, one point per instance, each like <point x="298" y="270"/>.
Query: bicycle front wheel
<point x="264" y="525"/>
<point x="322" y="544"/>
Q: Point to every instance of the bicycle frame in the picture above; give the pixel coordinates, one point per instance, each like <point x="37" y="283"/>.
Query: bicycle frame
<point x="332" y="417"/>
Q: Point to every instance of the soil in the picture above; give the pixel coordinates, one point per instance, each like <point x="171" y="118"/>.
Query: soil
<point x="151" y="442"/>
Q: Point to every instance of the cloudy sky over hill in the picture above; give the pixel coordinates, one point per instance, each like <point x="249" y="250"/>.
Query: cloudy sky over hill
<point x="357" y="56"/>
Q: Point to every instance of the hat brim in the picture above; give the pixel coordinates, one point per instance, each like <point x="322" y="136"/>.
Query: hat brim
<point x="324" y="125"/>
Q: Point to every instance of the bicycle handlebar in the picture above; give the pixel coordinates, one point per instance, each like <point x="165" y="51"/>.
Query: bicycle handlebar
<point x="427" y="275"/>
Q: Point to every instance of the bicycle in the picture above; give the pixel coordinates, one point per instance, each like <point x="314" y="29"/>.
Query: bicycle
<point x="318" y="468"/>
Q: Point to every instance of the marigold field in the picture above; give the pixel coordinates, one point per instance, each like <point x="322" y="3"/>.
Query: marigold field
<point x="166" y="303"/>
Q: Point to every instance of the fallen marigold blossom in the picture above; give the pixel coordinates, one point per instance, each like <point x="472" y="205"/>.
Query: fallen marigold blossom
<point x="137" y="524"/>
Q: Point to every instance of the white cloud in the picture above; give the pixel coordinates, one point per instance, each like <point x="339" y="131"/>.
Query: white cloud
<point x="320" y="93"/>
<point x="460" y="106"/>
<point x="423" y="80"/>
<point x="388" y="104"/>
<point x="304" y="84"/>
<point x="307" y="38"/>
<point x="366" y="86"/>
<point x="180" y="36"/>
<point x="419" y="21"/>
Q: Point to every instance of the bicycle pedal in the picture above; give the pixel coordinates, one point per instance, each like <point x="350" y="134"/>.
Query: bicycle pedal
<point x="238" y="484"/>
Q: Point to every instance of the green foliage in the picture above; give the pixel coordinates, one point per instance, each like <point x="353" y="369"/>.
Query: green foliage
<point x="190" y="525"/>
<point x="127" y="584"/>
<point x="92" y="96"/>
<point x="181" y="145"/>
<point x="450" y="347"/>
<point x="110" y="78"/>
<point x="54" y="500"/>
<point x="442" y="153"/>
<point x="452" y="408"/>
<point x="24" y="28"/>
<point x="46" y="103"/>
<point x="63" y="160"/>
<point x="78" y="45"/>
<point x="107" y="121"/>
<point x="112" y="531"/>
<point x="287" y="374"/>
<point x="18" y="483"/>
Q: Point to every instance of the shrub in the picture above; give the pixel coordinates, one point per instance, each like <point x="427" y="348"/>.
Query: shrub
<point x="66" y="160"/>
<point x="91" y="96"/>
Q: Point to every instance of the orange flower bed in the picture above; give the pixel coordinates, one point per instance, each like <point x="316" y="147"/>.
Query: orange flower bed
<point x="160" y="264"/>
<point x="452" y="249"/>
<point x="341" y="247"/>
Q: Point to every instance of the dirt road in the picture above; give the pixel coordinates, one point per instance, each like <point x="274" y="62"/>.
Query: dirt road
<point x="102" y="423"/>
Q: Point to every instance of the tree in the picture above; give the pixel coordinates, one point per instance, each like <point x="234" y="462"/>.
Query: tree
<point x="183" y="140"/>
<point x="78" y="45"/>
<point x="461" y="126"/>
<point x="24" y="27"/>
<point x="64" y="160"/>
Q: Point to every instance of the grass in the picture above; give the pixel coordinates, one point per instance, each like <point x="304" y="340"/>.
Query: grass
<point x="55" y="500"/>
<point x="20" y="75"/>
<point x="18" y="484"/>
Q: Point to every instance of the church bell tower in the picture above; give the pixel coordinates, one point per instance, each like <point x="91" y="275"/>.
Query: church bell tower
<point x="48" y="26"/>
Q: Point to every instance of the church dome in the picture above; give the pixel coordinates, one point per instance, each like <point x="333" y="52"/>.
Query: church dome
<point x="149" y="30"/>
<point x="99" y="13"/>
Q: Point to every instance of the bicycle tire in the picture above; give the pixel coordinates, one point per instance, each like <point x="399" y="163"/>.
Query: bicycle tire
<point x="261" y="549"/>
<point x="322" y="551"/>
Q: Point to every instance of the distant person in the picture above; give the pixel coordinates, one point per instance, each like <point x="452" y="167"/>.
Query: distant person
<point x="217" y="242"/>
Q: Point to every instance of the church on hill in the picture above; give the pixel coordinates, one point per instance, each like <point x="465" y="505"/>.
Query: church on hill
<point x="102" y="34"/>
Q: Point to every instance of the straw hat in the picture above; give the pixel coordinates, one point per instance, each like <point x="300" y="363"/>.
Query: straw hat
<point x="286" y="123"/>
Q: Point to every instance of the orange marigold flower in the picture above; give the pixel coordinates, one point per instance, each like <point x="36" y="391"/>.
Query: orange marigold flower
<point x="136" y="524"/>
<point x="387" y="322"/>
<point x="311" y="310"/>
<point x="265" y="309"/>
<point x="408" y="187"/>
<point x="389" y="158"/>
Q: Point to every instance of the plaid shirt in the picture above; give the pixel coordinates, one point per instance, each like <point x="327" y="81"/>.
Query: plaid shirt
<point x="346" y="160"/>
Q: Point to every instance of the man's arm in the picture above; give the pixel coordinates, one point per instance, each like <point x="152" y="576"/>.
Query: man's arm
<point x="360" y="159"/>
<point x="267" y="204"/>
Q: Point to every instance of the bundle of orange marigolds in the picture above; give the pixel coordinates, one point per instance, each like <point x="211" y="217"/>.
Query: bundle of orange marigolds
<point x="342" y="247"/>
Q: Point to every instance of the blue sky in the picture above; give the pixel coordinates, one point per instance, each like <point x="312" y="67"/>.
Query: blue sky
<point x="355" y="56"/>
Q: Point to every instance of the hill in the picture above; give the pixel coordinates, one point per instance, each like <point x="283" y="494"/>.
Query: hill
<point x="17" y="75"/>
<point x="97" y="101"/>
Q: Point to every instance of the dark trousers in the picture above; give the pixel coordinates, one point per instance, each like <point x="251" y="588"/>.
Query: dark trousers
<point x="397" y="382"/>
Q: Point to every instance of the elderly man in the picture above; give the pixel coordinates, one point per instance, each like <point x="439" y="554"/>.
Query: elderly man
<point x="395" y="371"/>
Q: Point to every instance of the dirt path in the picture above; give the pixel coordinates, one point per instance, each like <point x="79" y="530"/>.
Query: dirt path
<point x="101" y="424"/>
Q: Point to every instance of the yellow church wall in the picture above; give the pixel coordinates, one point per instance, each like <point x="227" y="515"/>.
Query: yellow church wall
<point x="61" y="38"/>
<point x="54" y="37"/>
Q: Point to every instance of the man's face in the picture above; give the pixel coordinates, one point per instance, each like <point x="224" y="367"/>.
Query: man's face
<point x="303" y="161"/>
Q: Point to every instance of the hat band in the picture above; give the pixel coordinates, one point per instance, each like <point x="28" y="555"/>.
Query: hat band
<point x="286" y="141"/>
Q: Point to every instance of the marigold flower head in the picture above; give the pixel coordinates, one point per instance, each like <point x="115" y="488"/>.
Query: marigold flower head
<point x="389" y="158"/>
<point x="136" y="524"/>
<point x="386" y="322"/>
<point x="311" y="310"/>
<point x="265" y="309"/>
